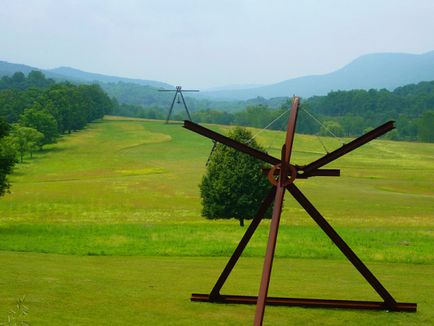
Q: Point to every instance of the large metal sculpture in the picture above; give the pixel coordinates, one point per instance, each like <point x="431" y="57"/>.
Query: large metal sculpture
<point x="282" y="175"/>
<point x="178" y="92"/>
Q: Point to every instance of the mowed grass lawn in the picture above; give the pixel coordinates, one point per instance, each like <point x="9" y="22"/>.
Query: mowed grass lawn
<point x="83" y="290"/>
<point x="126" y="187"/>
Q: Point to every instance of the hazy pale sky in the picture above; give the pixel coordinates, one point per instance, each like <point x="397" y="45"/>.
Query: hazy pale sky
<point x="204" y="44"/>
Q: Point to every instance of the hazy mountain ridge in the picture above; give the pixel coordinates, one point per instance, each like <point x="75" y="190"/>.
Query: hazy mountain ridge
<point x="90" y="77"/>
<point x="76" y="75"/>
<point x="232" y="87"/>
<point x="379" y="70"/>
<point x="8" y="69"/>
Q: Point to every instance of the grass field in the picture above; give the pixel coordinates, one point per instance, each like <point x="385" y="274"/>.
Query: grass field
<point x="83" y="290"/>
<point x="127" y="187"/>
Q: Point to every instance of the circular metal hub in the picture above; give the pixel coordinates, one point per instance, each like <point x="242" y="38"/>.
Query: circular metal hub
<point x="275" y="171"/>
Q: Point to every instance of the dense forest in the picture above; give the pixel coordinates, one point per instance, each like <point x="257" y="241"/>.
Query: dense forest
<point x="71" y="107"/>
<point x="342" y="113"/>
<point x="35" y="111"/>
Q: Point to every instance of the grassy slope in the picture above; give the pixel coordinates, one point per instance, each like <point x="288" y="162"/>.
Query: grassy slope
<point x="77" y="290"/>
<point x="123" y="172"/>
<point x="130" y="188"/>
<point x="126" y="187"/>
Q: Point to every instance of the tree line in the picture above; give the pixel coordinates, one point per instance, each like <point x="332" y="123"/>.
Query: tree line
<point x="140" y="97"/>
<point x="36" y="111"/>
<point x="343" y="113"/>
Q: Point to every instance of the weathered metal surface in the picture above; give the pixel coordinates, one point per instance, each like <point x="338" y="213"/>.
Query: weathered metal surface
<point x="185" y="105"/>
<point x="178" y="88"/>
<point x="178" y="91"/>
<point x="310" y="303"/>
<point x="286" y="174"/>
<point x="275" y="171"/>
<point x="290" y="131"/>
<point x="269" y="255"/>
<point x="314" y="173"/>
<point x="171" y="108"/>
<point x="319" y="173"/>
<point x="282" y="182"/>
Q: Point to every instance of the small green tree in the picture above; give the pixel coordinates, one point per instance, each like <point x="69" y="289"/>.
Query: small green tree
<point x="26" y="139"/>
<point x="41" y="120"/>
<point x="234" y="185"/>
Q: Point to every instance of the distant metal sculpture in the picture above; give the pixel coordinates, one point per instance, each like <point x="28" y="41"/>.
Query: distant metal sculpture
<point x="282" y="176"/>
<point x="178" y="91"/>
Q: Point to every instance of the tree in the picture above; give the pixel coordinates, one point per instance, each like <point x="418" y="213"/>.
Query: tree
<point x="7" y="156"/>
<point x="18" y="80"/>
<point x="36" y="78"/>
<point x="26" y="138"/>
<point x="331" y="126"/>
<point x="425" y="127"/>
<point x="43" y="121"/>
<point x="234" y="186"/>
<point x="4" y="128"/>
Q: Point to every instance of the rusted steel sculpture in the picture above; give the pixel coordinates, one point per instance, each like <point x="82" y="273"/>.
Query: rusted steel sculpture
<point x="282" y="176"/>
<point x="178" y="92"/>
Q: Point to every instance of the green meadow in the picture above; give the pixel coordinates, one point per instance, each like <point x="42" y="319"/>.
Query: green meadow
<point x="105" y="228"/>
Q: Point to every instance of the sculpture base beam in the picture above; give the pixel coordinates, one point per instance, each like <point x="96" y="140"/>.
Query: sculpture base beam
<point x="312" y="303"/>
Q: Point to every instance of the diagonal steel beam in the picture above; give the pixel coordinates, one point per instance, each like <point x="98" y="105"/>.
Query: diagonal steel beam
<point x="290" y="131"/>
<point x="277" y="212"/>
<point x="171" y="108"/>
<point x="342" y="245"/>
<point x="269" y="255"/>
<point x="377" y="132"/>
<point x="215" y="292"/>
<point x="185" y="105"/>
<point x="230" y="142"/>
<point x="315" y="173"/>
<point x="319" y="173"/>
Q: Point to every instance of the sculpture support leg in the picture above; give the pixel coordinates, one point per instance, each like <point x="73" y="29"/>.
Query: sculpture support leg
<point x="215" y="293"/>
<point x="171" y="107"/>
<point x="185" y="106"/>
<point x="344" y="248"/>
<point x="268" y="261"/>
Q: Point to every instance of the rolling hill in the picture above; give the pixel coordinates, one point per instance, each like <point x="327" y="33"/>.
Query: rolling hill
<point x="132" y="170"/>
<point x="79" y="75"/>
<point x="76" y="75"/>
<point x="105" y="226"/>
<point x="380" y="70"/>
<point x="377" y="71"/>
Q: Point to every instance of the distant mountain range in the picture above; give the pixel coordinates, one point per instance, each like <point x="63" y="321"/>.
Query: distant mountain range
<point x="75" y="75"/>
<point x="232" y="87"/>
<point x="380" y="70"/>
<point x="79" y="75"/>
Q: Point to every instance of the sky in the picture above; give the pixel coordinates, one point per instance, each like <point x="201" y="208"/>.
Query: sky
<point x="205" y="44"/>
